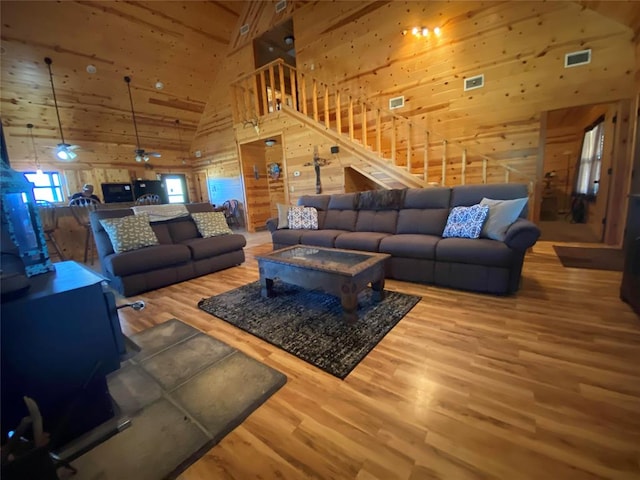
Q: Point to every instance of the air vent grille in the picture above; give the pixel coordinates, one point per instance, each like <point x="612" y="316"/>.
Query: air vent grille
<point x="244" y="29"/>
<point x="281" y="5"/>
<point x="396" y="102"/>
<point x="574" y="59"/>
<point x="472" y="83"/>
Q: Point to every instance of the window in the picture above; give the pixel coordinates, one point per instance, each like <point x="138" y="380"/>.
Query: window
<point x="46" y="186"/>
<point x="588" y="178"/>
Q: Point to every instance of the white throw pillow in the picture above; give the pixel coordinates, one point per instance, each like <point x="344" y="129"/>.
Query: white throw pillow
<point x="303" y="217"/>
<point x="502" y="213"/>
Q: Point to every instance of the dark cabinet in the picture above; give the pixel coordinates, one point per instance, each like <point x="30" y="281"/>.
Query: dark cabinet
<point x="630" y="287"/>
<point x="59" y="341"/>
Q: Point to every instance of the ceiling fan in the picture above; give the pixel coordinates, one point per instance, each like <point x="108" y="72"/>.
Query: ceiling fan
<point x="141" y="155"/>
<point x="64" y="151"/>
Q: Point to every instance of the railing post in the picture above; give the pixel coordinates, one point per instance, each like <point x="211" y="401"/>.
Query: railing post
<point x="272" y="85"/>
<point x="247" y="98"/>
<point x="425" y="168"/>
<point x="464" y="166"/>
<point x="283" y="95"/>
<point x="256" y="98"/>
<point x="303" y="90"/>
<point x="484" y="170"/>
<point x="364" y="124"/>
<point x="393" y="140"/>
<point x="338" y="113"/>
<point x="409" y="147"/>
<point x="444" y="162"/>
<point x="350" y="117"/>
<point x="327" y="122"/>
<point x="314" y="99"/>
<point x="263" y="89"/>
<point x="378" y="132"/>
<point x="294" y="88"/>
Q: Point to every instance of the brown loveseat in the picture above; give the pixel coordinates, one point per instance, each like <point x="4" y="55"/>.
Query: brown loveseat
<point x="182" y="253"/>
<point x="408" y="224"/>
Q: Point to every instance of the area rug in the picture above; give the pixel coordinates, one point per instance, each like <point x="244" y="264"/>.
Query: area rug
<point x="309" y="324"/>
<point x="592" y="258"/>
<point x="184" y="391"/>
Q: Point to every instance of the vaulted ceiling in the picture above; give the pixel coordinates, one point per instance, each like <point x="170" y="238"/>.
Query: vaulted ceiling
<point x="180" y="44"/>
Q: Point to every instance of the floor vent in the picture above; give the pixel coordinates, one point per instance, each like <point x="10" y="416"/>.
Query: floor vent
<point x="244" y="29"/>
<point x="281" y="5"/>
<point x="396" y="102"/>
<point x="474" y="82"/>
<point x="574" y="59"/>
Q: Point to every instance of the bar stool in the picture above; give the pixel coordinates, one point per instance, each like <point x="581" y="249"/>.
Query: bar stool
<point x="148" y="199"/>
<point x="81" y="208"/>
<point x="49" y="218"/>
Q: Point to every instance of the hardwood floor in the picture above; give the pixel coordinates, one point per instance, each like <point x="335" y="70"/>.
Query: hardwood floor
<point x="541" y="385"/>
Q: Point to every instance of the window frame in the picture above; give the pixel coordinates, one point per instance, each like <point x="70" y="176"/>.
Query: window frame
<point x="56" y="191"/>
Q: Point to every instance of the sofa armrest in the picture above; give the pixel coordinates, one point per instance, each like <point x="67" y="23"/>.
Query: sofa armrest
<point x="522" y="234"/>
<point x="272" y="224"/>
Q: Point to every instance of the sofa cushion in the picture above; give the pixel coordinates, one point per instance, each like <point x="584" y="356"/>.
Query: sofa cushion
<point x="466" y="222"/>
<point x="343" y="201"/>
<point x="182" y="229"/>
<point x="410" y="246"/>
<point x="502" y="213"/>
<point x="162" y="232"/>
<point x="377" y="221"/>
<point x="286" y="236"/>
<point x="319" y="202"/>
<point x="302" y="217"/>
<point x="341" y="220"/>
<point x="480" y="251"/>
<point x="129" y="233"/>
<point x="145" y="259"/>
<point x="467" y="195"/>
<point x="321" y="238"/>
<point x="211" y="224"/>
<point x="367" y="241"/>
<point x="436" y="197"/>
<point x="428" y="221"/>
<point x="211" y="247"/>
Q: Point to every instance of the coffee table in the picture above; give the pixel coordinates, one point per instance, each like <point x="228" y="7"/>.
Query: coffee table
<point x="343" y="273"/>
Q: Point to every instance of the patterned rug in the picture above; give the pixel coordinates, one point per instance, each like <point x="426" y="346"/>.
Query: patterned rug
<point x="591" y="258"/>
<point x="183" y="392"/>
<point x="309" y="324"/>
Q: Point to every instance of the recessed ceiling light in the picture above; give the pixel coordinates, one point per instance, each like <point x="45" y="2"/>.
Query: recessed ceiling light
<point x="91" y="69"/>
<point x="159" y="85"/>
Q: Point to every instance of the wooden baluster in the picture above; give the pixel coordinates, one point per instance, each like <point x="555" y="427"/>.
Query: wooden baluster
<point x="364" y="124"/>
<point x="393" y="140"/>
<point x="247" y="99"/>
<point x="338" y="113"/>
<point x="444" y="163"/>
<point x="409" y="153"/>
<point x="283" y="92"/>
<point x="378" y="132"/>
<point x="350" y="118"/>
<point x="314" y="100"/>
<point x="265" y="93"/>
<point x="484" y="170"/>
<point x="256" y="98"/>
<point x="425" y="171"/>
<point x="294" y="88"/>
<point x="327" y="120"/>
<point x="463" y="167"/>
<point x="303" y="90"/>
<point x="272" y="84"/>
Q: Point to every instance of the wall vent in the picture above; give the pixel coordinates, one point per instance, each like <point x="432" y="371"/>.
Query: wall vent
<point x="474" y="82"/>
<point x="396" y="102"/>
<point x="244" y="29"/>
<point x="574" y="59"/>
<point x="281" y="5"/>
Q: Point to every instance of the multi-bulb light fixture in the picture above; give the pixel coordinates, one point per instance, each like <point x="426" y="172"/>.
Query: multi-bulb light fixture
<point x="422" y="32"/>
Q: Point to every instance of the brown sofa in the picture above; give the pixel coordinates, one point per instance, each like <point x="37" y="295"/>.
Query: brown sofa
<point x="182" y="253"/>
<point x="408" y="224"/>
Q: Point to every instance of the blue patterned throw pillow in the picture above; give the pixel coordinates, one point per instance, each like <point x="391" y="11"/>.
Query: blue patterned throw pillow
<point x="466" y="222"/>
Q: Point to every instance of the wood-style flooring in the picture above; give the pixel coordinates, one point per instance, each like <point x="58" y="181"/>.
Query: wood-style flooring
<point x="544" y="384"/>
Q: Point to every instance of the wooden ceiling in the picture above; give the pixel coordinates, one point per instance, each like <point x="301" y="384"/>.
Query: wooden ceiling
<point x="180" y="44"/>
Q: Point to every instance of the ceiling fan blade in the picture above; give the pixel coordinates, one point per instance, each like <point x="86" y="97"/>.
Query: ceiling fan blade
<point x="154" y="154"/>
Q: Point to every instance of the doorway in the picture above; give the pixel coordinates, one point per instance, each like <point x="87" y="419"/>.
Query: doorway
<point x="564" y="216"/>
<point x="175" y="184"/>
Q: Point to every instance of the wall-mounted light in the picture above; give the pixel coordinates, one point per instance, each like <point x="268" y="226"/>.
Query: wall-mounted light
<point x="422" y="32"/>
<point x="270" y="142"/>
<point x="288" y="40"/>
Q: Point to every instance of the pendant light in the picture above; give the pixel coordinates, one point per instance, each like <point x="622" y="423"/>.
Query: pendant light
<point x="64" y="151"/>
<point x="35" y="152"/>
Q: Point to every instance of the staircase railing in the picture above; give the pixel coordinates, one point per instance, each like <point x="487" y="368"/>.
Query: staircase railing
<point x="386" y="134"/>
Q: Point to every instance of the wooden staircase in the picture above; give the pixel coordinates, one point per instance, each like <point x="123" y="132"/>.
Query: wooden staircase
<point x="393" y="151"/>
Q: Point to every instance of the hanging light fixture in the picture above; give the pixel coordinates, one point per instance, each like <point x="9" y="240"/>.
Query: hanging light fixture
<point x="35" y="152"/>
<point x="64" y="151"/>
